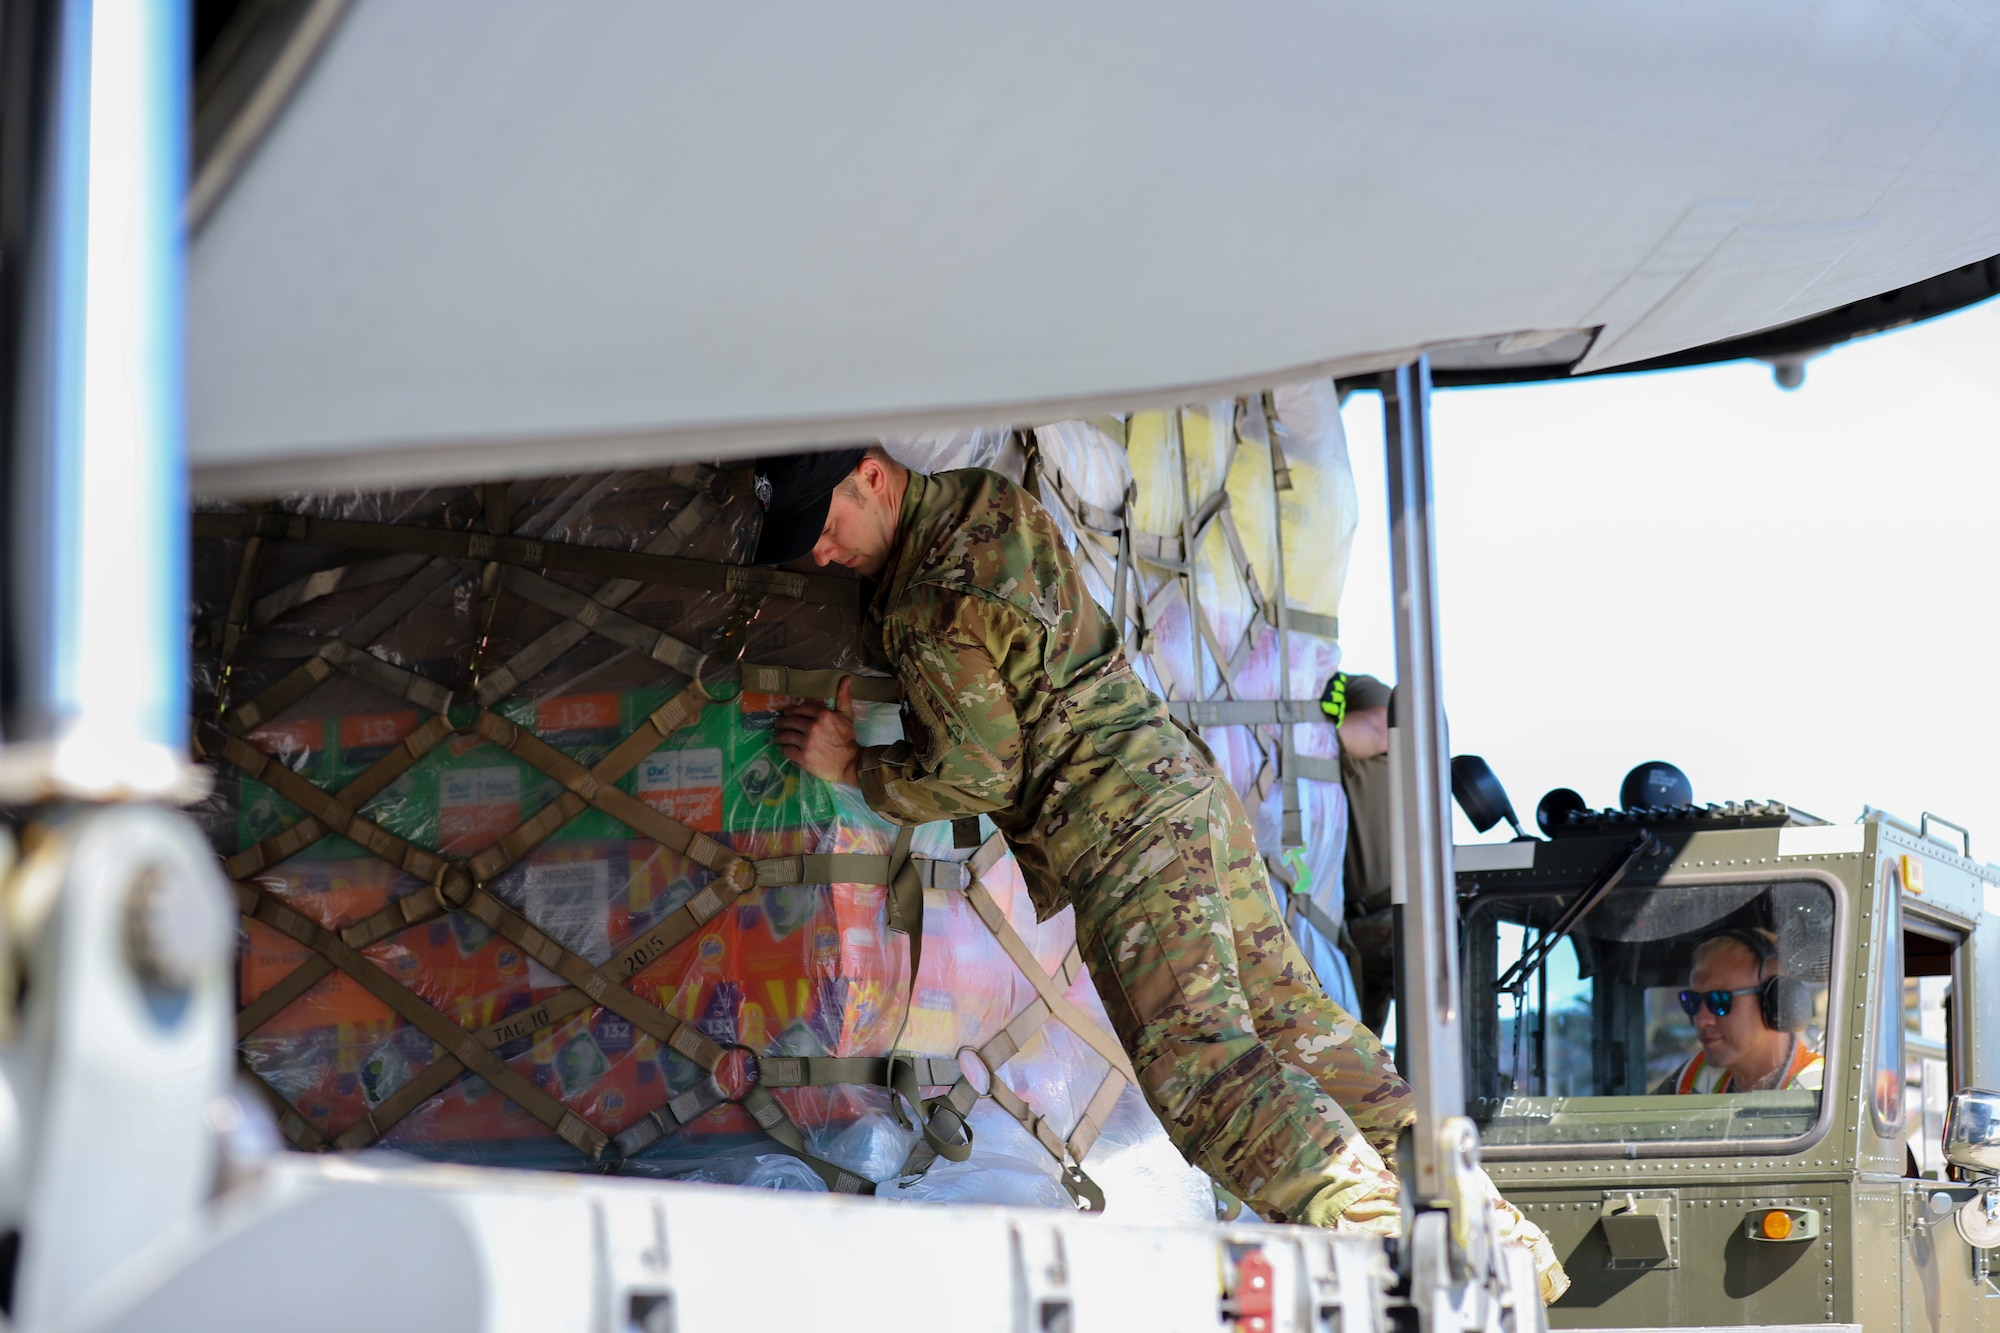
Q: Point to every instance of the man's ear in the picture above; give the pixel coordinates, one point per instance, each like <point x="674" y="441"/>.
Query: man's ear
<point x="874" y="476"/>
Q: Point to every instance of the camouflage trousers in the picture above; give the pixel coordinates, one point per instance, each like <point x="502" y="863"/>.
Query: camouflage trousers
<point x="1261" y="1081"/>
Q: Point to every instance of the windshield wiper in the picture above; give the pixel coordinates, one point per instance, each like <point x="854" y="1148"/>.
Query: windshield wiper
<point x="1607" y="879"/>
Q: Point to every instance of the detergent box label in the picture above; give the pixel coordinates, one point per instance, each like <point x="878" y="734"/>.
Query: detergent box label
<point x="684" y="784"/>
<point x="477" y="807"/>
<point x="571" y="901"/>
<point x="366" y="737"/>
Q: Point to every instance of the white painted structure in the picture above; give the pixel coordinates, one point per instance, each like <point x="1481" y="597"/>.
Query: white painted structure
<point x="492" y="237"/>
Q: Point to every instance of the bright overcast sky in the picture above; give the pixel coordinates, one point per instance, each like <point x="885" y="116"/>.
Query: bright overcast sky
<point x="1790" y="595"/>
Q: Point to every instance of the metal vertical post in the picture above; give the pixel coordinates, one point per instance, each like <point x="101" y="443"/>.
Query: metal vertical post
<point x="1428" y="1002"/>
<point x="124" y="1046"/>
<point x="98" y="511"/>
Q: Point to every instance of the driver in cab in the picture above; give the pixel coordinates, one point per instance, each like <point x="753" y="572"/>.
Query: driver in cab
<point x="1751" y="1020"/>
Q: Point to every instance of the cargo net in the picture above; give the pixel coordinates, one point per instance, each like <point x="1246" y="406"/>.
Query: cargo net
<point x="524" y="879"/>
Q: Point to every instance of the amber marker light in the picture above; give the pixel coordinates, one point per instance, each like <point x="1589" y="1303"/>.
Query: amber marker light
<point x="1779" y="1224"/>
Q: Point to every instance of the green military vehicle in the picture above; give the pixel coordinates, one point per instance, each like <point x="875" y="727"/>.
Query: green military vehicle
<point x="1673" y="1207"/>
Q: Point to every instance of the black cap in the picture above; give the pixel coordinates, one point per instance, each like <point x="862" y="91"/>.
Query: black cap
<point x="1364" y="692"/>
<point x="795" y="490"/>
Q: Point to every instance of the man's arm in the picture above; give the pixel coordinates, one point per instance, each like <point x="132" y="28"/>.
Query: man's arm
<point x="1365" y="733"/>
<point x="963" y="752"/>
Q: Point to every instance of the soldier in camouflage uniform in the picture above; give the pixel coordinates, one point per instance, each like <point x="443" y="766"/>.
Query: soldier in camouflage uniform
<point x="1019" y="705"/>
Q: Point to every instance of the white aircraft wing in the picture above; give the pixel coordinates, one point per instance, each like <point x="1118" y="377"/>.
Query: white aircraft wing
<point x="490" y="237"/>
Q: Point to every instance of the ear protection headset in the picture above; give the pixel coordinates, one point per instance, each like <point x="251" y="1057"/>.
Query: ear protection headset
<point x="1785" y="1002"/>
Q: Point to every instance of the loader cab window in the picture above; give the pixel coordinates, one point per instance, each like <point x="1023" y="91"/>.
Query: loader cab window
<point x="1667" y="1014"/>
<point x="1931" y="955"/>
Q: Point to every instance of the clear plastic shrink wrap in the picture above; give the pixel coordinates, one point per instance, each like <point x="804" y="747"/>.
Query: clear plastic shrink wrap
<point x="1180" y="460"/>
<point x="290" y="719"/>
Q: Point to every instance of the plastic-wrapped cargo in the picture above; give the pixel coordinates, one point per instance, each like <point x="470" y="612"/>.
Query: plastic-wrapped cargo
<point x="1209" y="471"/>
<point x="493" y="860"/>
<point x="525" y="879"/>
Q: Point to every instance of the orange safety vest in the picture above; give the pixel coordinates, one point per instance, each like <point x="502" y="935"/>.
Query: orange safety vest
<point x="1803" y="1058"/>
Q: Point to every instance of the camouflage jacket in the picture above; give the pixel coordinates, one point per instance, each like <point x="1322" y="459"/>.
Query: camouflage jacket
<point x="1018" y="703"/>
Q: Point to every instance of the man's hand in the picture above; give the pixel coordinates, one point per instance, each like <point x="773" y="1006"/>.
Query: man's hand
<point x="820" y="739"/>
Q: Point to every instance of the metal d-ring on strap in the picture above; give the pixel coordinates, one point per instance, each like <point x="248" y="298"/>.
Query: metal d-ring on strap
<point x="946" y="1130"/>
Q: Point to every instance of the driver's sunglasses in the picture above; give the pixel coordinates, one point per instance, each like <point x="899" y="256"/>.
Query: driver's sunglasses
<point x="1718" y="1001"/>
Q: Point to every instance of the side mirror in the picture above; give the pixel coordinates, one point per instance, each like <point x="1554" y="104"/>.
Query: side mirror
<point x="1480" y="794"/>
<point x="1972" y="1132"/>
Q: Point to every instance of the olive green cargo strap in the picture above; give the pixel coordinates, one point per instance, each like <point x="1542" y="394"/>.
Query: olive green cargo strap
<point x="310" y="588"/>
<point x="369" y="626"/>
<point x="280" y="994"/>
<point x="1314" y="767"/>
<point x="946" y="1131"/>
<point x="398" y="682"/>
<point x="532" y="660"/>
<point x="592" y="786"/>
<point x="776" y="1071"/>
<point x="1084" y="514"/>
<point x="1317" y="917"/>
<point x="1023" y="957"/>
<point x="1244" y="712"/>
<point x="602" y="989"/>
<point x="332" y="814"/>
<point x="435" y="1077"/>
<point x="829" y="1071"/>
<point x="534" y="553"/>
<point x="862" y="868"/>
<point x="598" y="618"/>
<point x="263" y="907"/>
<point x="363" y="788"/>
<point x="799" y="683"/>
<point x="290" y="1123"/>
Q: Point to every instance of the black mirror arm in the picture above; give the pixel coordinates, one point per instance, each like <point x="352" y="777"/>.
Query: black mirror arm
<point x="1607" y="879"/>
